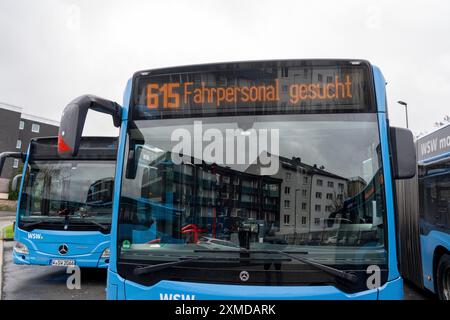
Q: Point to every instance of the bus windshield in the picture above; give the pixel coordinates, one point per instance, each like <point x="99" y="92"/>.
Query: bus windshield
<point x="69" y="195"/>
<point x="194" y="187"/>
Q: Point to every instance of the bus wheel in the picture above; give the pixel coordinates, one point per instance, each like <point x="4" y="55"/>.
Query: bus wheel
<point x="443" y="277"/>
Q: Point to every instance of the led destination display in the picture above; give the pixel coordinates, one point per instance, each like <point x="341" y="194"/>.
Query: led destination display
<point x="235" y="88"/>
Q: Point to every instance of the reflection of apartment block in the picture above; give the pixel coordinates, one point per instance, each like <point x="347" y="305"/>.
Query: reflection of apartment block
<point x="298" y="199"/>
<point x="295" y="195"/>
<point x="327" y="196"/>
<point x="213" y="193"/>
<point x="308" y="195"/>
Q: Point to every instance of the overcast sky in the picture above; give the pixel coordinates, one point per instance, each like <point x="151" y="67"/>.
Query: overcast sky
<point x="54" y="51"/>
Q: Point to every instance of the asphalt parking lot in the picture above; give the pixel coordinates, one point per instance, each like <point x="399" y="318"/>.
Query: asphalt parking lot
<point x="411" y="292"/>
<point x="48" y="283"/>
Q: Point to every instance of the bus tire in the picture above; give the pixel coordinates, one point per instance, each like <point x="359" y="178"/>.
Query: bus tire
<point x="443" y="277"/>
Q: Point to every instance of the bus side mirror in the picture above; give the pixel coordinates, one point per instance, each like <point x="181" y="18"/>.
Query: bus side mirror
<point x="15" y="182"/>
<point x="404" y="161"/>
<point x="74" y="117"/>
<point x="8" y="154"/>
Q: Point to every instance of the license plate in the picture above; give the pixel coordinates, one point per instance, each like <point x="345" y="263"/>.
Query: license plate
<point x="63" y="262"/>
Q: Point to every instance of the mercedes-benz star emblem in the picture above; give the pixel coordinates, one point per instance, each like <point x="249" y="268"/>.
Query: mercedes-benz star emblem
<point x="63" y="249"/>
<point x="244" y="276"/>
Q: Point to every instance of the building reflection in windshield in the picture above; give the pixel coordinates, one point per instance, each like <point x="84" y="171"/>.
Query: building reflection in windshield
<point x="301" y="204"/>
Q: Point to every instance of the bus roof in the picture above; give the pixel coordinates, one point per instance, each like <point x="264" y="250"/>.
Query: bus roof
<point x="91" y="148"/>
<point x="252" y="63"/>
<point x="434" y="146"/>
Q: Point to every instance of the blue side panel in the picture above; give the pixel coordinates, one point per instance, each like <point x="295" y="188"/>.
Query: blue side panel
<point x="380" y="88"/>
<point x="392" y="290"/>
<point x="435" y="158"/>
<point x="85" y="247"/>
<point x="391" y="230"/>
<point x="384" y="138"/>
<point x="115" y="289"/>
<point x="173" y="290"/>
<point x="428" y="244"/>
<point x="118" y="176"/>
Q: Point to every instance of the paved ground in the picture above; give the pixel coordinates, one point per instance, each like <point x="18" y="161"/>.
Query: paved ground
<point x="411" y="292"/>
<point x="35" y="282"/>
<point x="6" y="218"/>
<point x="4" y="221"/>
<point x="7" y="213"/>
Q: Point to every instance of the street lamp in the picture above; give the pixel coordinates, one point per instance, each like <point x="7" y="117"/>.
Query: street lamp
<point x="406" y="109"/>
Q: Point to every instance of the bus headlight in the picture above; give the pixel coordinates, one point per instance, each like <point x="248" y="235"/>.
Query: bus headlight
<point x="105" y="254"/>
<point x="20" y="248"/>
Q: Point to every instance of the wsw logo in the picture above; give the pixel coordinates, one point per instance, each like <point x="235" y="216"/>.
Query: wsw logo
<point x="176" y="296"/>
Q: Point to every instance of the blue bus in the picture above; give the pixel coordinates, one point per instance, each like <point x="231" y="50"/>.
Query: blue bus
<point x="65" y="205"/>
<point x="424" y="216"/>
<point x="227" y="173"/>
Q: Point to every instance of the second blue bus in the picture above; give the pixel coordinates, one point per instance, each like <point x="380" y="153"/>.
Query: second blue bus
<point x="65" y="205"/>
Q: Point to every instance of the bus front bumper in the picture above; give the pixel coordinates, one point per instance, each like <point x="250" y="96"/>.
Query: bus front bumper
<point x="93" y="260"/>
<point x="118" y="288"/>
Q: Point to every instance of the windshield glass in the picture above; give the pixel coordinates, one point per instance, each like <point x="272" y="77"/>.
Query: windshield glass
<point x="69" y="193"/>
<point x="197" y="186"/>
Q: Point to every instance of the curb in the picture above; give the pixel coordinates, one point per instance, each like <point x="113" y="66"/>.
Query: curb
<point x="7" y="214"/>
<point x="1" y="268"/>
<point x="3" y="238"/>
<point x="2" y="233"/>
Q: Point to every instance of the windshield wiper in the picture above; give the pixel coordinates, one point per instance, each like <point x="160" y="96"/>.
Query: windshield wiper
<point x="180" y="261"/>
<point x="36" y="223"/>
<point x="160" y="266"/>
<point x="330" y="270"/>
<point x="183" y="260"/>
<point x="92" y="221"/>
